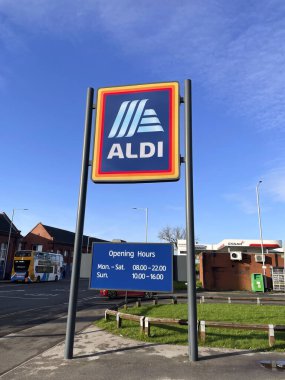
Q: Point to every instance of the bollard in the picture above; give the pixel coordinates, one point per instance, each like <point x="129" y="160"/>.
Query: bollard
<point x="142" y="324"/>
<point x="119" y="320"/>
<point x="155" y="301"/>
<point x="271" y="337"/>
<point x="146" y="327"/>
<point x="202" y="331"/>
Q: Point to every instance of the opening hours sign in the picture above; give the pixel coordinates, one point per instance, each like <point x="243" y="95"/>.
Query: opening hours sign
<point x="132" y="266"/>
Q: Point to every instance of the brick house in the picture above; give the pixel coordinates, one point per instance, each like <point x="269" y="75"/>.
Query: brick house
<point x="230" y="264"/>
<point x="6" y="260"/>
<point x="51" y="239"/>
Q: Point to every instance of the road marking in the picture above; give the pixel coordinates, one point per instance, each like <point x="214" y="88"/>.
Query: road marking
<point x="7" y="291"/>
<point x="46" y="307"/>
<point x="41" y="294"/>
<point x="13" y="285"/>
<point x="27" y="311"/>
<point x="92" y="298"/>
<point x="24" y="298"/>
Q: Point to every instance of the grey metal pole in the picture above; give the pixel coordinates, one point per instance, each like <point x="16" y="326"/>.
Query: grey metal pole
<point x="283" y="246"/>
<point x="9" y="237"/>
<point x="190" y="233"/>
<point x="146" y="223"/>
<point x="146" y="220"/>
<point x="260" y="227"/>
<point x="8" y="245"/>
<point x="70" y="328"/>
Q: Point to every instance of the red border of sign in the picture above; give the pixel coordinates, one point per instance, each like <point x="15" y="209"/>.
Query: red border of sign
<point x="170" y="174"/>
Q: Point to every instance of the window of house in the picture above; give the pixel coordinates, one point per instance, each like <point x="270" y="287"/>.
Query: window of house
<point x="37" y="247"/>
<point x="3" y="249"/>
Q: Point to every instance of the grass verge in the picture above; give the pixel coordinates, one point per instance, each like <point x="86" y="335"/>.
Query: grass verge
<point x="216" y="337"/>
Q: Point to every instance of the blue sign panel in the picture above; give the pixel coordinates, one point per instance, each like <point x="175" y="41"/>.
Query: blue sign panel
<point x="132" y="266"/>
<point x="136" y="137"/>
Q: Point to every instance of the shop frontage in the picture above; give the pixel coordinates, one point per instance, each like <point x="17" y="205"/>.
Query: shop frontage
<point x="229" y="264"/>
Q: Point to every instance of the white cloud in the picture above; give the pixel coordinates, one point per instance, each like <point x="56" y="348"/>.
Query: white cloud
<point x="272" y="190"/>
<point x="51" y="16"/>
<point x="234" y="49"/>
<point x="243" y="201"/>
<point x="274" y="183"/>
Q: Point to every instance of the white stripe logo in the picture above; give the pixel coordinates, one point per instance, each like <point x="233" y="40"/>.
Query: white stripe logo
<point x="133" y="117"/>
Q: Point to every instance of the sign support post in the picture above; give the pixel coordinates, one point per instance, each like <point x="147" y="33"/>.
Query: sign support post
<point x="116" y="123"/>
<point x="190" y="235"/>
<point x="71" y="317"/>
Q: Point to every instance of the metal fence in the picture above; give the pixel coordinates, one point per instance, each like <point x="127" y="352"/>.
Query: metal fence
<point x="278" y="279"/>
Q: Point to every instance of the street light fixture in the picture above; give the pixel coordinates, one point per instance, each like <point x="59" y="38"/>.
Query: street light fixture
<point x="146" y="219"/>
<point x="9" y="237"/>
<point x="260" y="227"/>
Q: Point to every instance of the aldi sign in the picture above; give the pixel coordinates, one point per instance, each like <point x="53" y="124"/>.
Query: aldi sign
<point x="137" y="134"/>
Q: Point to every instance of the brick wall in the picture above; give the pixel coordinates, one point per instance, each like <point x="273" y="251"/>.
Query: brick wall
<point x="219" y="272"/>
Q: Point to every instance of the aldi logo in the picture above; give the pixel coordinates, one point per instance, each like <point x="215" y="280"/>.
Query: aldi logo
<point x="137" y="134"/>
<point x="142" y="120"/>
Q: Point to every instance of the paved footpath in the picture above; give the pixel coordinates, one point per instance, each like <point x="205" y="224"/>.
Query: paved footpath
<point x="100" y="355"/>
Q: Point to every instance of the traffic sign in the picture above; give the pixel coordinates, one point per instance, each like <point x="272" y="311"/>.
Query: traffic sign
<point x="137" y="133"/>
<point x="132" y="266"/>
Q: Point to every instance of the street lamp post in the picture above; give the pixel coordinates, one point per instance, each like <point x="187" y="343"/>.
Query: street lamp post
<point x="88" y="244"/>
<point x="9" y="237"/>
<point x="284" y="264"/>
<point x="260" y="227"/>
<point x="146" y="219"/>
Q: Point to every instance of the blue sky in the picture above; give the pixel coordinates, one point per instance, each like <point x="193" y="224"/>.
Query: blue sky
<point x="233" y="51"/>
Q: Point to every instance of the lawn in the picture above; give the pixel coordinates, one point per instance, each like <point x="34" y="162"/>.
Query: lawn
<point x="173" y="334"/>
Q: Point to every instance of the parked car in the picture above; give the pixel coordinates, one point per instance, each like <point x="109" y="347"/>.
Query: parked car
<point x="122" y="293"/>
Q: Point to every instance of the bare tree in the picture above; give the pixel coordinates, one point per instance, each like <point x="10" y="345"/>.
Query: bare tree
<point x="172" y="234"/>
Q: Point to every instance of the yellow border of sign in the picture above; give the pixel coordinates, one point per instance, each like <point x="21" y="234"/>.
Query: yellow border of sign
<point x="172" y="175"/>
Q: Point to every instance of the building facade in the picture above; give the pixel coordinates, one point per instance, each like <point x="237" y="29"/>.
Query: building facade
<point x="229" y="264"/>
<point x="51" y="239"/>
<point x="9" y="235"/>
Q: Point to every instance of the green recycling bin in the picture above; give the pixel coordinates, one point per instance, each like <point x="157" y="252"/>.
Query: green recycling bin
<point x="257" y="282"/>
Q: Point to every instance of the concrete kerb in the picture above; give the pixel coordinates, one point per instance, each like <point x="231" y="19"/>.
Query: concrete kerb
<point x="107" y="355"/>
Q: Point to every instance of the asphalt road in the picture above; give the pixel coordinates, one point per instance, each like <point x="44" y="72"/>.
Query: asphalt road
<point x="33" y="317"/>
<point x="26" y="305"/>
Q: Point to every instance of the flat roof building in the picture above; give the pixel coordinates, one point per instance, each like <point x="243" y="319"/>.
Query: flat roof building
<point x="229" y="264"/>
